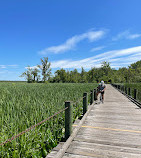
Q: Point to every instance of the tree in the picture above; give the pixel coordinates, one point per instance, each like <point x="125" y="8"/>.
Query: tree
<point x="83" y="76"/>
<point x="45" y="68"/>
<point x="68" y="76"/>
<point x="75" y="76"/>
<point x="35" y="72"/>
<point x="105" y="66"/>
<point x="28" y="74"/>
<point x="131" y="73"/>
<point x="90" y="76"/>
<point x="135" y="65"/>
<point x="61" y="76"/>
<point x="38" y="78"/>
<point x="135" y="72"/>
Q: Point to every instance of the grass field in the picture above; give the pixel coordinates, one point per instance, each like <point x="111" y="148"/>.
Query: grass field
<point x="23" y="105"/>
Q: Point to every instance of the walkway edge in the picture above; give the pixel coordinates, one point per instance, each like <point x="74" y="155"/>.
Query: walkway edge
<point x="62" y="151"/>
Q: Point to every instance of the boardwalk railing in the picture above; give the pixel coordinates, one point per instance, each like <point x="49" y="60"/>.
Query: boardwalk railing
<point x="133" y="94"/>
<point x="69" y="111"/>
<point x="68" y="116"/>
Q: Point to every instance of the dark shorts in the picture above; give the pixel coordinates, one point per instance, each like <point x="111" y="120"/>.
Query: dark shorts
<point x="101" y="92"/>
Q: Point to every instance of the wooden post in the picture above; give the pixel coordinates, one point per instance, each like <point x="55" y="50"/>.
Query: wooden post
<point x="68" y="119"/>
<point x="120" y="87"/>
<point x="85" y="102"/>
<point x="92" y="97"/>
<point x="125" y="90"/>
<point x="95" y="95"/>
<point x="135" y="94"/>
<point x="129" y="91"/>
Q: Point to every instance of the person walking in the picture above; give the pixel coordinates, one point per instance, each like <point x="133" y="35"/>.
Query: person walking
<point x="101" y="89"/>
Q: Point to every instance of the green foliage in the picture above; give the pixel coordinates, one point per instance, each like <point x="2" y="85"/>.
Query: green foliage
<point x="45" y="68"/>
<point x="133" y="86"/>
<point x="60" y="76"/>
<point x="35" y="72"/>
<point x="28" y="75"/>
<point x="23" y="105"/>
<point x="105" y="73"/>
<point x="31" y="74"/>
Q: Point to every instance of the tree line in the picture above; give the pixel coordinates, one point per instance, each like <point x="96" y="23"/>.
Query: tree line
<point x="42" y="73"/>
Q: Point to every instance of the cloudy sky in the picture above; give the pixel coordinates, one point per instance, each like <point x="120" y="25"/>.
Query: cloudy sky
<point x="71" y="33"/>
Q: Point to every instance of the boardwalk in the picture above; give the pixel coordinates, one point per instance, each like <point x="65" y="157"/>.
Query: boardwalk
<point x="110" y="130"/>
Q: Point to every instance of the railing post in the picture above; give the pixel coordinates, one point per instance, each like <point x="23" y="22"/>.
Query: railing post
<point x="85" y="102"/>
<point x="120" y="87"/>
<point x="92" y="97"/>
<point x="129" y="91"/>
<point x="125" y="90"/>
<point x="68" y="119"/>
<point x="95" y="95"/>
<point x="135" y="94"/>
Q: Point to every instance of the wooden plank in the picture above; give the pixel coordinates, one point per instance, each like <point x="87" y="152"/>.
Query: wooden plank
<point x="76" y="156"/>
<point x="101" y="153"/>
<point x="52" y="154"/>
<point x="132" y="127"/>
<point x="111" y="136"/>
<point x="104" y="142"/>
<point x="59" y="146"/>
<point x="114" y="122"/>
<point x="104" y="147"/>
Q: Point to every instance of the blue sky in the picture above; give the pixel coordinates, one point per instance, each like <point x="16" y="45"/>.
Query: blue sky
<point x="71" y="33"/>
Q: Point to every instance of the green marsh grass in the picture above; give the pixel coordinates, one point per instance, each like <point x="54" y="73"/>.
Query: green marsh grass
<point x="23" y="105"/>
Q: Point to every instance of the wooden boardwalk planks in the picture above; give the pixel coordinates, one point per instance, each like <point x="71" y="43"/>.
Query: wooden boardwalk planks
<point x="110" y="130"/>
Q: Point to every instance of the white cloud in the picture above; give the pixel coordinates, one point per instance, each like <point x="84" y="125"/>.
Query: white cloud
<point x="2" y="66"/>
<point x="6" y="72"/>
<point x="14" y="66"/>
<point x="97" y="48"/>
<point x="7" y="66"/>
<point x="117" y="58"/>
<point x="32" y="67"/>
<point x="133" y="36"/>
<point x="72" y="42"/>
<point x="126" y="35"/>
